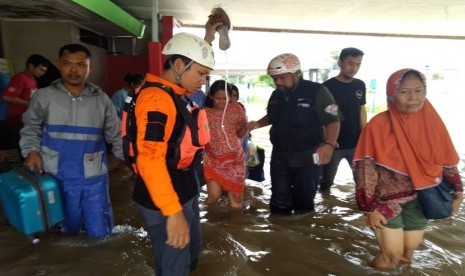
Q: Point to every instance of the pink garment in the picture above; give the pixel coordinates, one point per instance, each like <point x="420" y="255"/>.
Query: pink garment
<point x="224" y="160"/>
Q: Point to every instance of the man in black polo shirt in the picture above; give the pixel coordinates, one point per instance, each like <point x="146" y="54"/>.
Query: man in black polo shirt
<point x="349" y="93"/>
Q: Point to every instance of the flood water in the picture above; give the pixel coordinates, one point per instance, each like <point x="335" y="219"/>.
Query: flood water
<point x="333" y="240"/>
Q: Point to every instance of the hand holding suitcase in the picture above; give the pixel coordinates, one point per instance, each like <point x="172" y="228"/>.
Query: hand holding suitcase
<point x="31" y="202"/>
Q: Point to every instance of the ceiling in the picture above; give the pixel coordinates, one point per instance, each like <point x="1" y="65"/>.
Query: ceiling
<point x="429" y="18"/>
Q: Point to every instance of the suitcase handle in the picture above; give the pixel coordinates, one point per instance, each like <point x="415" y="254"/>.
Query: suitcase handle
<point x="33" y="178"/>
<point x="34" y="173"/>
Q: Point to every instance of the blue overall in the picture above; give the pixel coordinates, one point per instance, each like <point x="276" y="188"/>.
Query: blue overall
<point x="71" y="133"/>
<point x="85" y="190"/>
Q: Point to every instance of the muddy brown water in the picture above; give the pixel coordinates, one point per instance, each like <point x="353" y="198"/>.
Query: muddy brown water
<point x="333" y="240"/>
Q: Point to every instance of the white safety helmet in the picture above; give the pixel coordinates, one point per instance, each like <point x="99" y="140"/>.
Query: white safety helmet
<point x="284" y="63"/>
<point x="192" y="47"/>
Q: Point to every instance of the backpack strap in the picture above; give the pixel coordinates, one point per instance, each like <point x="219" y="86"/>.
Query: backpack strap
<point x="130" y="126"/>
<point x="129" y="131"/>
<point x="180" y="105"/>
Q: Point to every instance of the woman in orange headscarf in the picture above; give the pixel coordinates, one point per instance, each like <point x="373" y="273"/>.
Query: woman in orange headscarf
<point x="401" y="150"/>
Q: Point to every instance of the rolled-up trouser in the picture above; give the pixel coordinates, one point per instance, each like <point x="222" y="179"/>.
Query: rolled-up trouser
<point x="87" y="205"/>
<point x="293" y="188"/>
<point x="170" y="261"/>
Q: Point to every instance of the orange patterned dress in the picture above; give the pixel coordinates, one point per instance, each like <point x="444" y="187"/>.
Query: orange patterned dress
<point x="224" y="160"/>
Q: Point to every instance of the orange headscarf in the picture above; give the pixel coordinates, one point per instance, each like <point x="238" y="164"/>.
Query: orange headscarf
<point x="416" y="144"/>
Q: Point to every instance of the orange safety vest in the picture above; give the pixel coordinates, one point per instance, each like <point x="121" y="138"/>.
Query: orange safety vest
<point x="193" y="135"/>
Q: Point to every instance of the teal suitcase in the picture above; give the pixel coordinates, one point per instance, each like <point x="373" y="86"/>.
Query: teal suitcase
<point x="31" y="202"/>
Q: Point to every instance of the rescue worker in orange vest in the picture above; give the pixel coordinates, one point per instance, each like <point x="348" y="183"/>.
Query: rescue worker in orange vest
<point x="168" y="196"/>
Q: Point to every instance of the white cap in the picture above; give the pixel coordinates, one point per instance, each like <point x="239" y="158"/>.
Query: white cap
<point x="284" y="63"/>
<point x="192" y="47"/>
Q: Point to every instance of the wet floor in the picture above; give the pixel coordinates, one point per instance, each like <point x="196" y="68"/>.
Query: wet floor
<point x="333" y="240"/>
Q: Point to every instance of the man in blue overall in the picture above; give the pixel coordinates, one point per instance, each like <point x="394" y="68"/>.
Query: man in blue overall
<point x="65" y="129"/>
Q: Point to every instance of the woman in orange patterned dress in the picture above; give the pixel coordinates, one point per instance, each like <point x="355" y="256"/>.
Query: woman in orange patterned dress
<point x="224" y="163"/>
